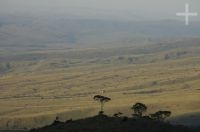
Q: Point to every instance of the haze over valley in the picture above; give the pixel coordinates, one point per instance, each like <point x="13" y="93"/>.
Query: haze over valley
<point x="56" y="56"/>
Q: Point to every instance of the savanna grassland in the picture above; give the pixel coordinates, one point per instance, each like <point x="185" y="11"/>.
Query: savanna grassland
<point x="36" y="85"/>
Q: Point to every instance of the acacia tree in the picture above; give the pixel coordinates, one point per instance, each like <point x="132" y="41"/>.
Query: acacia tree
<point x="161" y="115"/>
<point x="139" y="109"/>
<point x="102" y="100"/>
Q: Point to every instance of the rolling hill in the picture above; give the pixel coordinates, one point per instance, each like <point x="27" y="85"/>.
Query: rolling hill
<point x="38" y="84"/>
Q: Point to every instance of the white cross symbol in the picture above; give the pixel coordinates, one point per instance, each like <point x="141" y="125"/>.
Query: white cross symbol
<point x="186" y="14"/>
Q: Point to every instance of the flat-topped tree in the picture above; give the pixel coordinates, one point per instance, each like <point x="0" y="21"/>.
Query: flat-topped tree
<point x="102" y="100"/>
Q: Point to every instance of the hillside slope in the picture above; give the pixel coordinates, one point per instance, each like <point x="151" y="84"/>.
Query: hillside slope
<point x="103" y="123"/>
<point x="37" y="85"/>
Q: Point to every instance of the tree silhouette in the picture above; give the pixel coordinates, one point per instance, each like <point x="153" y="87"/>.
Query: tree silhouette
<point x="139" y="109"/>
<point x="118" y="114"/>
<point x="102" y="100"/>
<point x="161" y="115"/>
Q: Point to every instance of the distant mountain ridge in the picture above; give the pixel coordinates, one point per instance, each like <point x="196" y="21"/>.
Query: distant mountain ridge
<point x="38" y="31"/>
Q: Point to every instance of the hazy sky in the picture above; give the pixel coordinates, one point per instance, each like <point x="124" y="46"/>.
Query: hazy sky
<point x="141" y="9"/>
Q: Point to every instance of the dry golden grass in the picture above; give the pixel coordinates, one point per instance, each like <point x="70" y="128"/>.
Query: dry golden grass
<point x="31" y="99"/>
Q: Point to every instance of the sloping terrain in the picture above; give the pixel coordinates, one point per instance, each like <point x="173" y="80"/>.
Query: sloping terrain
<point x="103" y="123"/>
<point x="36" y="85"/>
